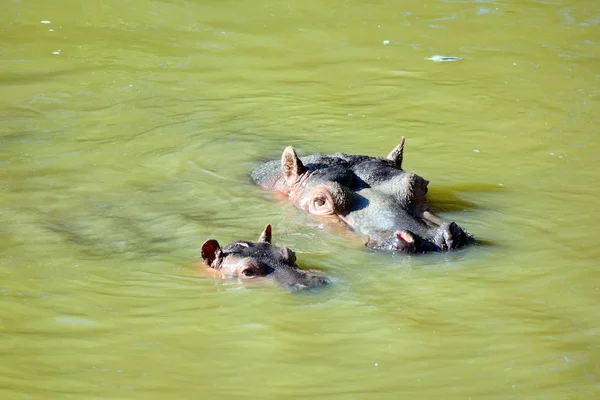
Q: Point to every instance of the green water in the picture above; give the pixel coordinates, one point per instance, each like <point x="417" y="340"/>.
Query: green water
<point x="125" y="150"/>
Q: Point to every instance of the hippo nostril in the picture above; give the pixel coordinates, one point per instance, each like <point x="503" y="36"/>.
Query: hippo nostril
<point x="456" y="230"/>
<point x="405" y="236"/>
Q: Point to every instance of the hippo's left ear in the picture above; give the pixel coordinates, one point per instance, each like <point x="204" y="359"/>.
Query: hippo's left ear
<point x="265" y="236"/>
<point x="397" y="154"/>
<point x="210" y="250"/>
<point x="291" y="166"/>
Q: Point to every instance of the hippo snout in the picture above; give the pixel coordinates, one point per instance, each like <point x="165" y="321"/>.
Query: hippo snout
<point x="450" y="236"/>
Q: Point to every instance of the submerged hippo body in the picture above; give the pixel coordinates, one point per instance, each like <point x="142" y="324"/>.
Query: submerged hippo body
<point x="373" y="196"/>
<point x="248" y="260"/>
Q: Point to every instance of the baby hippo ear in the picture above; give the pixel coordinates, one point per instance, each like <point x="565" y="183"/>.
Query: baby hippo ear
<point x="291" y="166"/>
<point x="210" y="250"/>
<point x="265" y="237"/>
<point x="288" y="255"/>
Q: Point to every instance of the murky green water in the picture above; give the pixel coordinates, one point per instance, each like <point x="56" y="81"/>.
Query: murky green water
<point x="128" y="132"/>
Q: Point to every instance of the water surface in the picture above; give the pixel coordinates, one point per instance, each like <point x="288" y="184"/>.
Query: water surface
<point x="128" y="133"/>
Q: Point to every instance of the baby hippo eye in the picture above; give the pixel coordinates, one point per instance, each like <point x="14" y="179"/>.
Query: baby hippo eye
<point x="251" y="271"/>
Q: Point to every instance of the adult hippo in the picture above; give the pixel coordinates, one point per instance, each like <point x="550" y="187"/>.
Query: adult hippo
<point x="373" y="196"/>
<point x="248" y="260"/>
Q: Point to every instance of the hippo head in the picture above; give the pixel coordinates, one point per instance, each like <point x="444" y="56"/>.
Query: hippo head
<point x="250" y="260"/>
<point x="373" y="196"/>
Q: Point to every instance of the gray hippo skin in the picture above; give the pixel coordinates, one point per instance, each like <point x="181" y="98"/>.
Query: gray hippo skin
<point x="249" y="260"/>
<point x="372" y="196"/>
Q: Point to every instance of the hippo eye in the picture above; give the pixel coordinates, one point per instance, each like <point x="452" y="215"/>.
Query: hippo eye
<point x="321" y="202"/>
<point x="248" y="272"/>
<point x="252" y="270"/>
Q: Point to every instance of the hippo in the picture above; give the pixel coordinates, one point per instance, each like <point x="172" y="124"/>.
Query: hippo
<point x="249" y="260"/>
<point x="372" y="196"/>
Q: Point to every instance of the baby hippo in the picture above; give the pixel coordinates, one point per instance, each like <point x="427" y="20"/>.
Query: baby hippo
<point x="249" y="260"/>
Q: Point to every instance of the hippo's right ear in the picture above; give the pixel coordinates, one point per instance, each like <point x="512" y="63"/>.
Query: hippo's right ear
<point x="291" y="166"/>
<point x="397" y="154"/>
<point x="210" y="250"/>
<point x="265" y="236"/>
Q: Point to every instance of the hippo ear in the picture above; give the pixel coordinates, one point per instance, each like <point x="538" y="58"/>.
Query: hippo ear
<point x="210" y="250"/>
<point x="396" y="155"/>
<point x="291" y="166"/>
<point x="288" y="255"/>
<point x="265" y="236"/>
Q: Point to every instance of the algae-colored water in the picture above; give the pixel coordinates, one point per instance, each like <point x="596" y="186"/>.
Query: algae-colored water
<point x="128" y="132"/>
